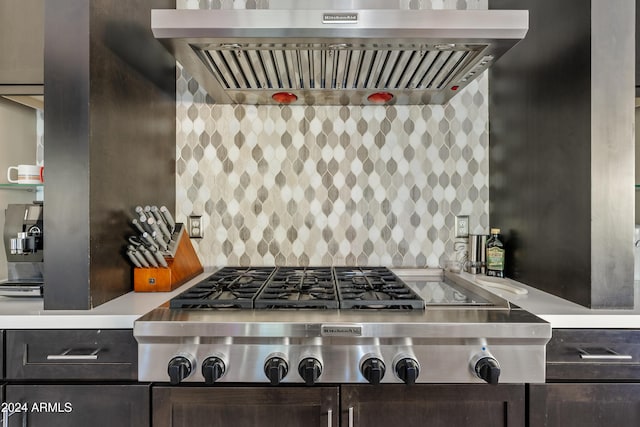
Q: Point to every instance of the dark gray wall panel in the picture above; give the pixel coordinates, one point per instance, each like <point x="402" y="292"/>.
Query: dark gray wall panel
<point x="110" y="129"/>
<point x="546" y="126"/>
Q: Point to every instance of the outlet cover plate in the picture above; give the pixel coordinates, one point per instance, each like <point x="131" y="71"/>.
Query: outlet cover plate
<point x="194" y="227"/>
<point x="462" y="226"/>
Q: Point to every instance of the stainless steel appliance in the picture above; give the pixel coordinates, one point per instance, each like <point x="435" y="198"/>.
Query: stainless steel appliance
<point x="339" y="325"/>
<point x="477" y="262"/>
<point x="324" y="52"/>
<point x="23" y="242"/>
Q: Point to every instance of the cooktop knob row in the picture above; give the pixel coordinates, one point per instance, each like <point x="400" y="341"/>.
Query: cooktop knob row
<point x="372" y="368"/>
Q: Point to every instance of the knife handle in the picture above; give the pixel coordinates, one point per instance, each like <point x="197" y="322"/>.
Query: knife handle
<point x="145" y="224"/>
<point x="133" y="259"/>
<point x="156" y="214"/>
<point x="154" y="226"/>
<point x="168" y="218"/>
<point x="156" y="253"/>
<point x="147" y="238"/>
<point x="137" y="225"/>
<point x="160" y="240"/>
<point x="140" y="258"/>
<point x="147" y="255"/>
<point x="165" y="231"/>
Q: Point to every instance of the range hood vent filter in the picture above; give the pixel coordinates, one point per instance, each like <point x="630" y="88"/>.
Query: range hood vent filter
<point x="319" y="67"/>
<point x="419" y="56"/>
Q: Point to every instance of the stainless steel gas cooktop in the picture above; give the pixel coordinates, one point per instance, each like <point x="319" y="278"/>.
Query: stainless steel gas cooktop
<point x="301" y="287"/>
<point x="336" y="325"/>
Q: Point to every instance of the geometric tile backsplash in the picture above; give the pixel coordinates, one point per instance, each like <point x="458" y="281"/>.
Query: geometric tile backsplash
<point x="332" y="185"/>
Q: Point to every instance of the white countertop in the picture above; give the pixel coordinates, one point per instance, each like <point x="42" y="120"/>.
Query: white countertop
<point x="120" y="313"/>
<point x="566" y="314"/>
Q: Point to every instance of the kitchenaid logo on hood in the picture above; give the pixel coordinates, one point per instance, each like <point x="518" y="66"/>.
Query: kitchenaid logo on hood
<point x="340" y="18"/>
<point x="341" y="330"/>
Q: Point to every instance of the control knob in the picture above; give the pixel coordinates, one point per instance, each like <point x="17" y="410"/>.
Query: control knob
<point x="213" y="368"/>
<point x="407" y="369"/>
<point x="310" y="370"/>
<point x="373" y="370"/>
<point x="276" y="368"/>
<point x="488" y="369"/>
<point x="179" y="368"/>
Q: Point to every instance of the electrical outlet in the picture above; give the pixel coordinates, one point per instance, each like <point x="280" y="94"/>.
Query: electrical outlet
<point x="194" y="226"/>
<point x="462" y="226"/>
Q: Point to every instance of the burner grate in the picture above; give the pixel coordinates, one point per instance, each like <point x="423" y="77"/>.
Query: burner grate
<point x="299" y="287"/>
<point x="229" y="287"/>
<point x="374" y="288"/>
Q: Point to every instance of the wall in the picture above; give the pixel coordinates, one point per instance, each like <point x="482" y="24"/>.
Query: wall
<point x="18" y="146"/>
<point x="110" y="143"/>
<point x="562" y="150"/>
<point x="297" y="185"/>
<point x="637" y="165"/>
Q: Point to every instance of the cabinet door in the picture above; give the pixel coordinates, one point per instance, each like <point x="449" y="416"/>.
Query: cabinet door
<point x="78" y="405"/>
<point x="245" y="406"/>
<point x="1" y="354"/>
<point x="584" y="405"/>
<point x="22" y="43"/>
<point x="434" y="405"/>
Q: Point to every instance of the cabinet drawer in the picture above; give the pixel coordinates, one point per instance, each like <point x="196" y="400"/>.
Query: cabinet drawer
<point x="71" y="354"/>
<point x="594" y="355"/>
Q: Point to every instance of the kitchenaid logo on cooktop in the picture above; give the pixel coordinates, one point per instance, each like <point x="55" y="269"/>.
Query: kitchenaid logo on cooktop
<point x="341" y="330"/>
<point x="339" y="18"/>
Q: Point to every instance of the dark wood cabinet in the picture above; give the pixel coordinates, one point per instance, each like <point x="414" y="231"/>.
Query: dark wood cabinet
<point x="245" y="406"/>
<point x="1" y="354"/>
<point x="22" y="47"/>
<point x="42" y="365"/>
<point x="71" y="354"/>
<point x="78" y="405"/>
<point x="593" y="380"/>
<point x="584" y="405"/>
<point x="435" y="405"/>
<point x="594" y="355"/>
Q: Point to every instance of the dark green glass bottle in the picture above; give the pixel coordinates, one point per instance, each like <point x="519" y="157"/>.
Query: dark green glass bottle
<point x="495" y="254"/>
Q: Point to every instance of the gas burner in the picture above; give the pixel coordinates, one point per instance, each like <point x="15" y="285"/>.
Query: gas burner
<point x="294" y="287"/>
<point x="374" y="288"/>
<point x="229" y="287"/>
<point x="301" y="287"/>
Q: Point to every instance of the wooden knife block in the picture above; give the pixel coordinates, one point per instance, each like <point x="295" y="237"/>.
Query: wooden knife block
<point x="183" y="266"/>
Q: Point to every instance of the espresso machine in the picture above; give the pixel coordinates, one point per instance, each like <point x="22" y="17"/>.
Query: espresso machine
<point x="23" y="243"/>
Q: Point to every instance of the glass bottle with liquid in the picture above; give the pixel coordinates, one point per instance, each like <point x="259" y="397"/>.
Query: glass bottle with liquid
<point x="495" y="254"/>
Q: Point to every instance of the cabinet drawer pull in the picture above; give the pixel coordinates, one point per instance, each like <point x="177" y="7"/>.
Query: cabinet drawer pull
<point x="71" y="354"/>
<point x="603" y="353"/>
<point x="329" y="417"/>
<point x="350" y="416"/>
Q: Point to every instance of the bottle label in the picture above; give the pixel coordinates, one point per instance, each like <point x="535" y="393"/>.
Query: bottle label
<point x="495" y="258"/>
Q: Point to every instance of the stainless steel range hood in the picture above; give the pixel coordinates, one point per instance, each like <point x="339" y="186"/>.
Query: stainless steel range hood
<point x="330" y="56"/>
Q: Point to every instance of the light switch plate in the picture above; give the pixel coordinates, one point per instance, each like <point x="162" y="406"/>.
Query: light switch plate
<point x="462" y="226"/>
